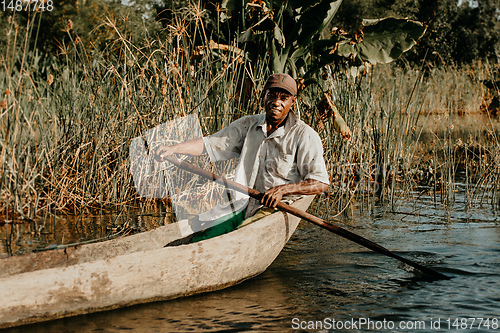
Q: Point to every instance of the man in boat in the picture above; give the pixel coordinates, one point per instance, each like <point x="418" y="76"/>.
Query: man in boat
<point x="280" y="155"/>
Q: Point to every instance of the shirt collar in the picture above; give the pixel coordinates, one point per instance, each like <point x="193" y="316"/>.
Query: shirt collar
<point x="290" y="122"/>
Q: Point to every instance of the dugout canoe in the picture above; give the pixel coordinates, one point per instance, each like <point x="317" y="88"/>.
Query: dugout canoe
<point x="136" y="269"/>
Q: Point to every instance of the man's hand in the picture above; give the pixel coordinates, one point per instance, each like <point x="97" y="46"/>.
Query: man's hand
<point x="272" y="197"/>
<point x="162" y="152"/>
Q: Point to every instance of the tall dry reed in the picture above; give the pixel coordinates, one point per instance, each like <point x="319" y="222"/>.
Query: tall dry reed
<point x="66" y="120"/>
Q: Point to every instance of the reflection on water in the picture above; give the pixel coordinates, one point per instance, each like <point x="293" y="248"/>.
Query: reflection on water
<point x="320" y="275"/>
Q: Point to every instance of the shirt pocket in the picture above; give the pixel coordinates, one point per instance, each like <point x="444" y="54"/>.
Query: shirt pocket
<point x="284" y="167"/>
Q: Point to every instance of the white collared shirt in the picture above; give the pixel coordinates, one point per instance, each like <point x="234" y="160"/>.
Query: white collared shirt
<point x="291" y="154"/>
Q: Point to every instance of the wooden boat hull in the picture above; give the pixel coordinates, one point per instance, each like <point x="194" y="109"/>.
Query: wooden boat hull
<point x="136" y="269"/>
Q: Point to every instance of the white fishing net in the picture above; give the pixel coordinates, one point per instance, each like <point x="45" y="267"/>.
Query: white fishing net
<point x="197" y="202"/>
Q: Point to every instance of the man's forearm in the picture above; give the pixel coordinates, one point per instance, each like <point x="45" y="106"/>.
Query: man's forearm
<point x="306" y="187"/>
<point x="194" y="147"/>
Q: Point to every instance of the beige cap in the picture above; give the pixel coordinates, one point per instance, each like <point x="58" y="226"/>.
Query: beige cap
<point x="283" y="81"/>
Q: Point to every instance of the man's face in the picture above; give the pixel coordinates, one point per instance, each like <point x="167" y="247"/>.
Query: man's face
<point x="277" y="103"/>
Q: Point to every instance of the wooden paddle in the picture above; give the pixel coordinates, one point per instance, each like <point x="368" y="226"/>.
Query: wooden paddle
<point x="306" y="216"/>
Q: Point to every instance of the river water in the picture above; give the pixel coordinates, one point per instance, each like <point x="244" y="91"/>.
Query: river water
<point x="321" y="282"/>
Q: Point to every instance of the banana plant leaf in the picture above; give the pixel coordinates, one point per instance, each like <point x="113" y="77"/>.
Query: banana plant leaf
<point x="383" y="40"/>
<point x="314" y="19"/>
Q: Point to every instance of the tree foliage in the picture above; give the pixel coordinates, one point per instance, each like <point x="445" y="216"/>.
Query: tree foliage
<point x="294" y="36"/>
<point x="91" y="22"/>
<point x="455" y="35"/>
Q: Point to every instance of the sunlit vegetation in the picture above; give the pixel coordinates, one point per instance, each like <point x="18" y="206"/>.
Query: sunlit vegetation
<point x="69" y="110"/>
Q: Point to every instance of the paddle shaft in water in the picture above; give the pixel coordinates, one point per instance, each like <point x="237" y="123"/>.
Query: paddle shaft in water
<point x="306" y="216"/>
